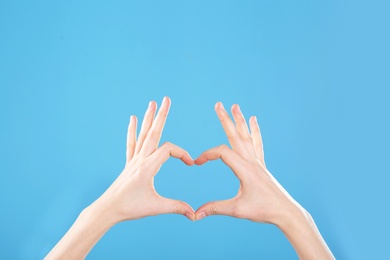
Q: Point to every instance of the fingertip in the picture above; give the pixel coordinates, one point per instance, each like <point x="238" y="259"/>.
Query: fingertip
<point x="166" y="100"/>
<point x="219" y="106"/>
<point x="188" y="211"/>
<point x="200" y="215"/>
<point x="190" y="216"/>
<point x="133" y="120"/>
<point x="187" y="159"/>
<point x="216" y="106"/>
<point x="165" y="106"/>
<point x="254" y="121"/>
<point x="190" y="161"/>
<point x="235" y="108"/>
<point x="198" y="161"/>
<point x="152" y="105"/>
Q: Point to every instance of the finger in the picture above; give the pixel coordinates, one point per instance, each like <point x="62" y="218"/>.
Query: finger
<point x="242" y="128"/>
<point x="154" y="135"/>
<point x="257" y="140"/>
<point x="146" y="124"/>
<point x="131" y="138"/>
<point x="221" y="207"/>
<point x="162" y="154"/>
<point x="170" y="206"/>
<point x="230" y="129"/>
<point x="228" y="156"/>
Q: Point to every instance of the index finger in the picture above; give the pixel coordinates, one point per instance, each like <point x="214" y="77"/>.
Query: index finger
<point x="228" y="156"/>
<point x="163" y="153"/>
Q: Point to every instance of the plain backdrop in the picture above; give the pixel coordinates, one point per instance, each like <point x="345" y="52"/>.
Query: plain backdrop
<point x="315" y="73"/>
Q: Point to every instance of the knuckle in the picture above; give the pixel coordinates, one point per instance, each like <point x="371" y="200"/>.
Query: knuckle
<point x="166" y="145"/>
<point x="154" y="133"/>
<point x="223" y="118"/>
<point x="144" y="165"/>
<point x="241" y="119"/>
<point x="231" y="135"/>
<point x="179" y="209"/>
<point x="224" y="147"/>
<point x="248" y="139"/>
<point x="213" y="210"/>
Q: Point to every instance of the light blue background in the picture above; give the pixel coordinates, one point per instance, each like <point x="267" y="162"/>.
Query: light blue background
<point x="316" y="74"/>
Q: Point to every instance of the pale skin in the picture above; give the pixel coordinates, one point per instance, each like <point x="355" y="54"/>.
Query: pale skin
<point x="132" y="195"/>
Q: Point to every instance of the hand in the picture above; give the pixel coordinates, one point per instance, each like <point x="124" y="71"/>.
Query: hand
<point x="132" y="195"/>
<point x="260" y="197"/>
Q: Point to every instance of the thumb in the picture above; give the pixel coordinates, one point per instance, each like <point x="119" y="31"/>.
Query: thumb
<point x="220" y="207"/>
<point x="170" y="206"/>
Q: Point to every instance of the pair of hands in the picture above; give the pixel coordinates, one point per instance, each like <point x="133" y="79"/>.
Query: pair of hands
<point x="132" y="195"/>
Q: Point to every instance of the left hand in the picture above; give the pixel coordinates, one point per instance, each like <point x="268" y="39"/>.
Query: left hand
<point x="132" y="195"/>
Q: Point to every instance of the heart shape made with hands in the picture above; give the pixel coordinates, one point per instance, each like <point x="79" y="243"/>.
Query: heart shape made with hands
<point x="144" y="159"/>
<point x="178" y="182"/>
<point x="209" y="207"/>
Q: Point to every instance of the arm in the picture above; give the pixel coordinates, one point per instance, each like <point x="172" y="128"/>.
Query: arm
<point x="260" y="197"/>
<point x="132" y="195"/>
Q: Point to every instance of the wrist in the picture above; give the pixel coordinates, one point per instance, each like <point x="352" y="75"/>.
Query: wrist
<point x="301" y="230"/>
<point x="89" y="227"/>
<point x="294" y="217"/>
<point x="100" y="214"/>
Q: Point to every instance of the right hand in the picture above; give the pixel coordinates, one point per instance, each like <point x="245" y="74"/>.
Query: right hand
<point x="260" y="197"/>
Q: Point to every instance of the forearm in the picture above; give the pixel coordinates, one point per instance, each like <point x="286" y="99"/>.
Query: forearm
<point x="87" y="230"/>
<point x="302" y="232"/>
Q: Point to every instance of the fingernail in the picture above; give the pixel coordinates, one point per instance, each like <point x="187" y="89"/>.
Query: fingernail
<point x="221" y="106"/>
<point x="239" y="109"/>
<point x="189" y="216"/>
<point x="255" y="119"/>
<point x="150" y="105"/>
<point x="200" y="216"/>
<point x="191" y="158"/>
<point x="164" y="100"/>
